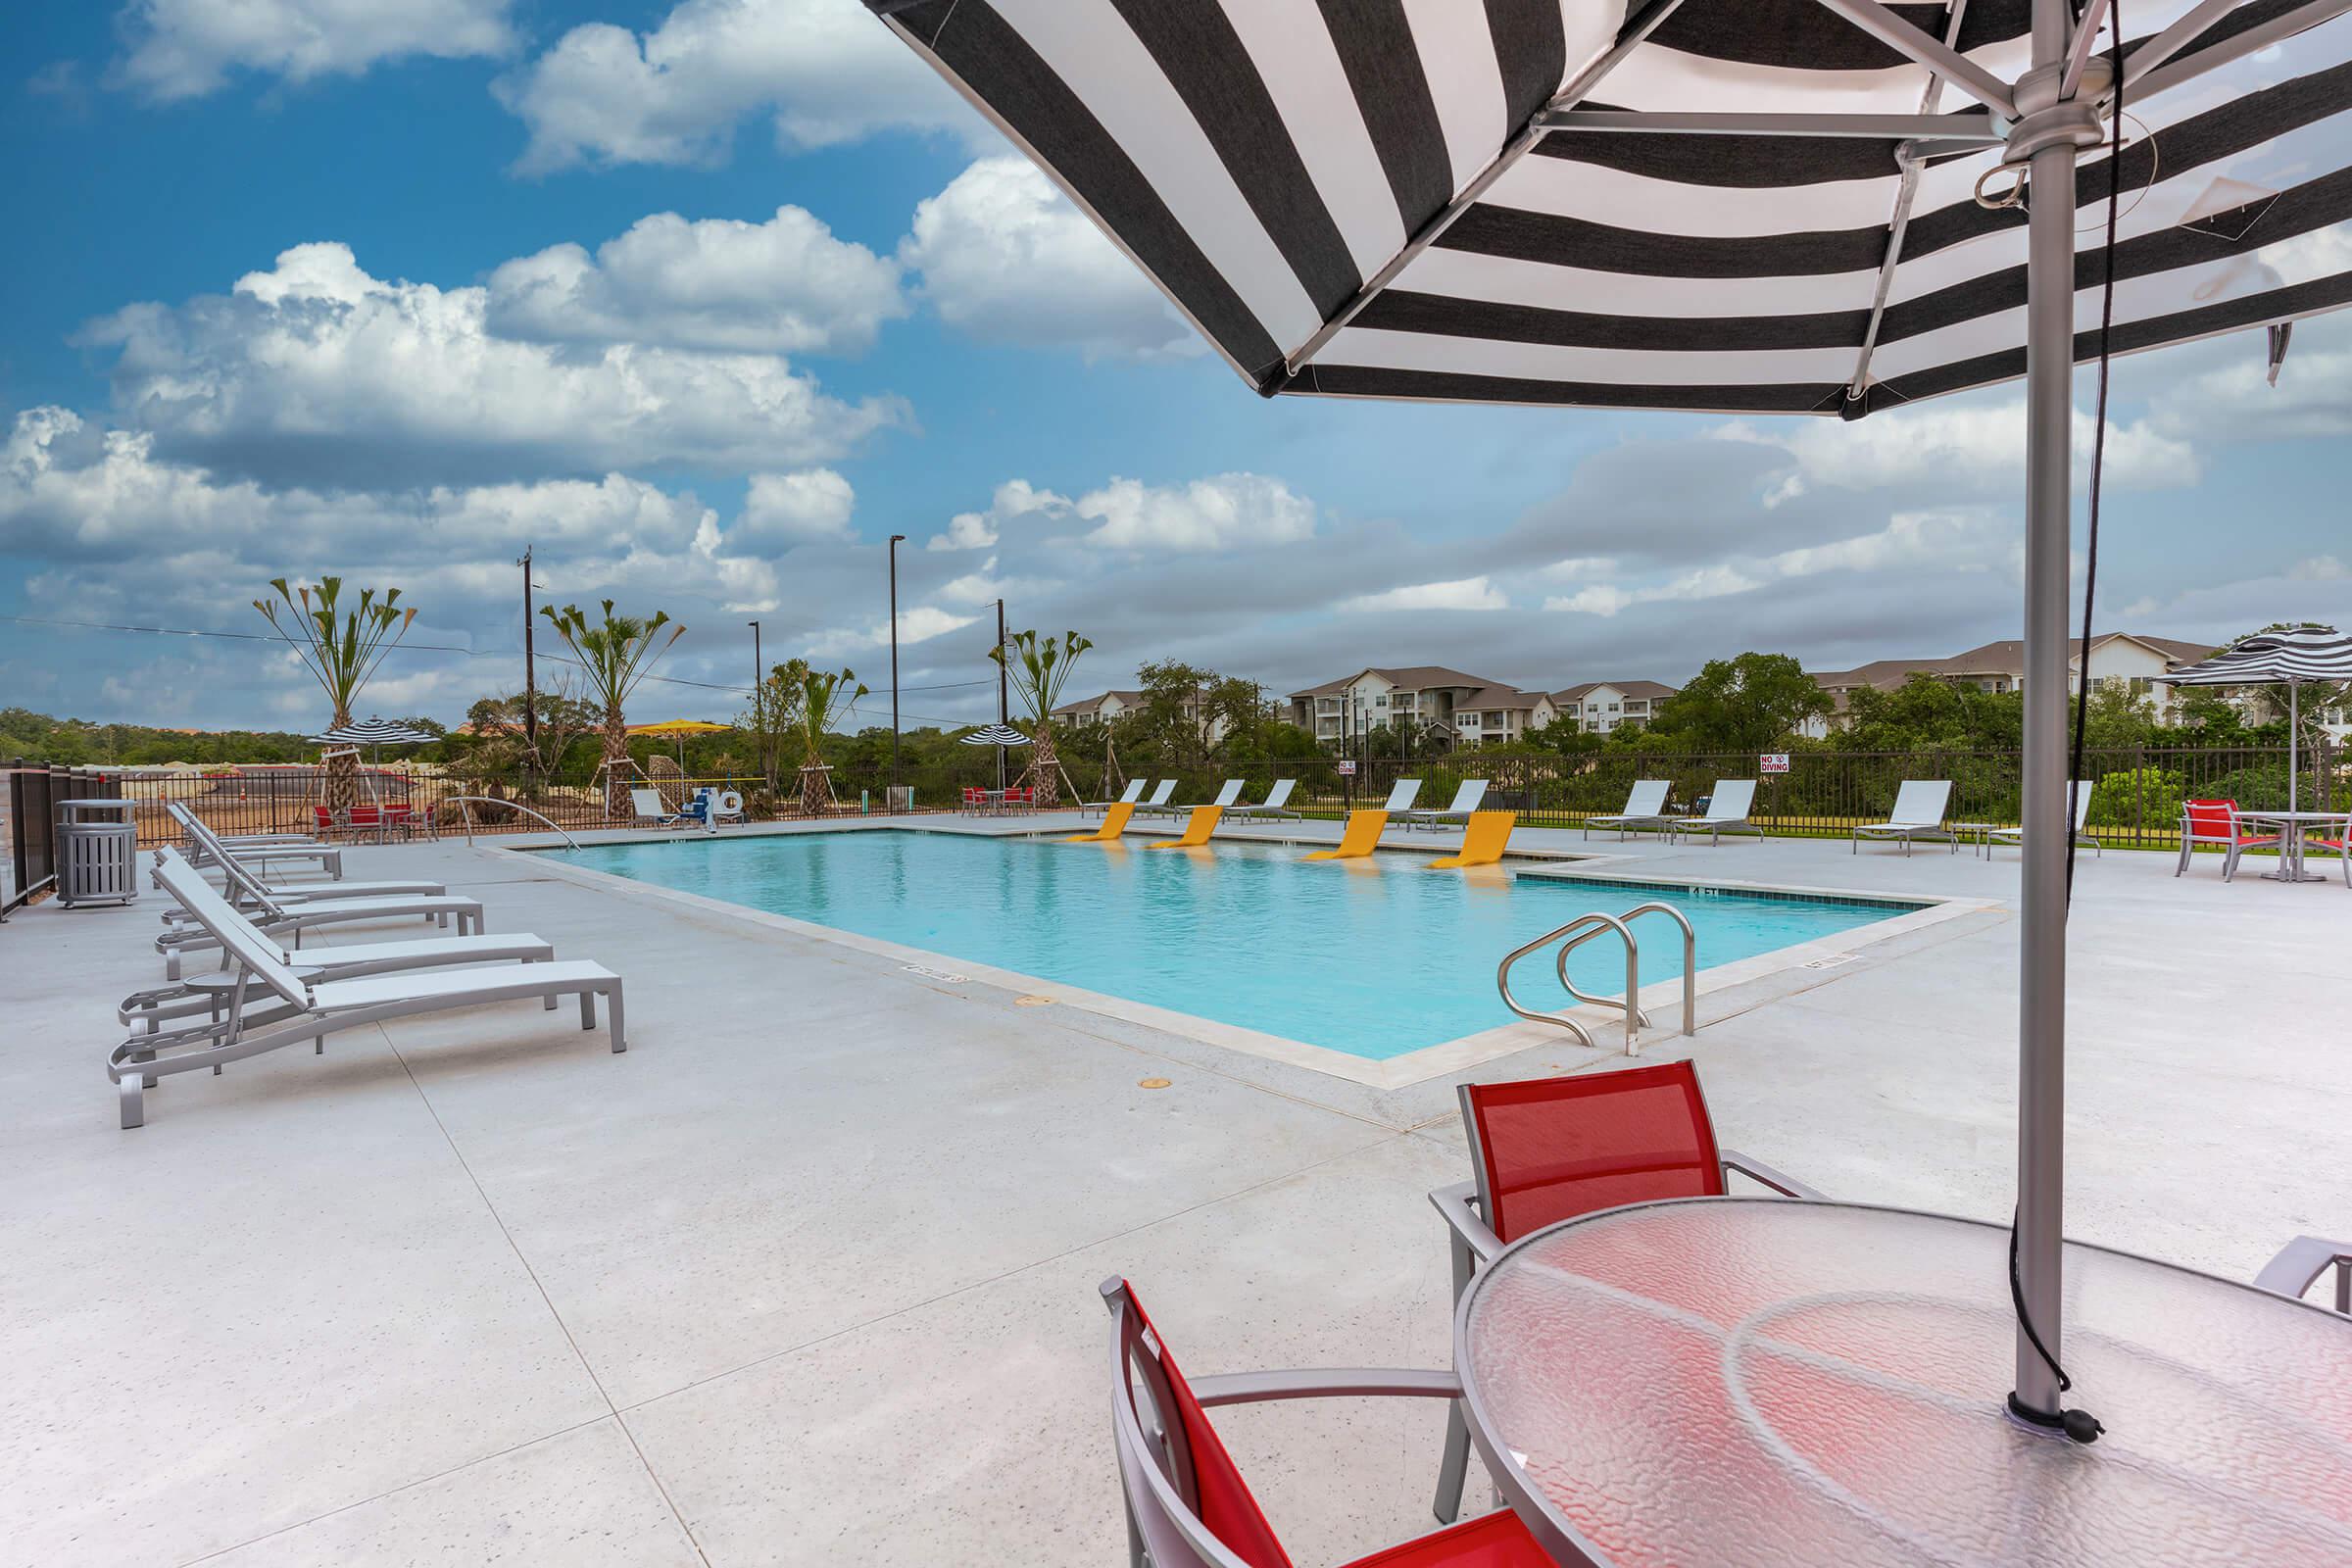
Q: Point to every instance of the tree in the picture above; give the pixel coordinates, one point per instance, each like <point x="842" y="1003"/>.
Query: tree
<point x="775" y="711"/>
<point x="497" y="744"/>
<point x="614" y="656"/>
<point x="1175" y="719"/>
<point x="1926" y="713"/>
<point x="820" y="691"/>
<point x="341" y="649"/>
<point x="1753" y="703"/>
<point x="1039" y="670"/>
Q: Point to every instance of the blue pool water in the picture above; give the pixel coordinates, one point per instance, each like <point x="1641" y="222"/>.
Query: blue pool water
<point x="1373" y="958"/>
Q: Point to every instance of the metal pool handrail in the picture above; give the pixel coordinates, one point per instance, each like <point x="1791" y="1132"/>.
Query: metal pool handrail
<point x="1583" y="929"/>
<point x="511" y="805"/>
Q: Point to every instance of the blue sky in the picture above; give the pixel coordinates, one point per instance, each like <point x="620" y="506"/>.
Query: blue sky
<point x="707" y="300"/>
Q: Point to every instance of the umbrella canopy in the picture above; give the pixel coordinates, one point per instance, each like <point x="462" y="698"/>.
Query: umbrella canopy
<point x="374" y="732"/>
<point x="2292" y="658"/>
<point x="679" y="726"/>
<point x="1818" y="207"/>
<point x="995" y="735"/>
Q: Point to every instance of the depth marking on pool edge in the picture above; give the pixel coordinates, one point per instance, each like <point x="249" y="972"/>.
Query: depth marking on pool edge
<point x="928" y="972"/>
<point x="1830" y="960"/>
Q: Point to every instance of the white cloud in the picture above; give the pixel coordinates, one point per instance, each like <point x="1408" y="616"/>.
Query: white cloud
<point x="1229" y="512"/>
<point x="317" y="367"/>
<point x="918" y="625"/>
<point x="788" y="508"/>
<point x="785" y="286"/>
<point x="1954" y="446"/>
<point x="1466" y="593"/>
<point x="1006" y="258"/>
<point x="1014" y="499"/>
<point x="1963" y="539"/>
<point x="826" y="71"/>
<point x="2320" y="569"/>
<point x="186" y="48"/>
<point x="985" y="586"/>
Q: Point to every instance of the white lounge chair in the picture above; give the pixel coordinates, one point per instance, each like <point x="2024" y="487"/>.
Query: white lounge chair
<point x="1131" y="795"/>
<point x="244" y="882"/>
<point x="1276" y="803"/>
<point x="205" y="847"/>
<point x="1727" y="812"/>
<point x="1919" y="808"/>
<point x="278" y="910"/>
<point x="1226" y="794"/>
<point x="1158" y="801"/>
<point x="1402" y="796"/>
<point x="1465" y="801"/>
<point x="307" y="1010"/>
<point x="1995" y="837"/>
<point x="201" y="996"/>
<point x="1645" y="807"/>
<point x="651" y="812"/>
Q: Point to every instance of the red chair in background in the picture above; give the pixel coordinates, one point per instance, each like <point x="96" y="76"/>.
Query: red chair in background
<point x="1187" y="1503"/>
<point x="2342" y="847"/>
<point x="1553" y="1149"/>
<point x="2216" y="822"/>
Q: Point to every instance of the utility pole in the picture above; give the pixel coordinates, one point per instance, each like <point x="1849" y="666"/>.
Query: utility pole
<point x="530" y="673"/>
<point x="1003" y="712"/>
<point x="895" y="540"/>
<point x="767" y="773"/>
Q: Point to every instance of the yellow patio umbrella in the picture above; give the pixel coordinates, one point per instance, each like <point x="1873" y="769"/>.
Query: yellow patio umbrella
<point x="680" y="728"/>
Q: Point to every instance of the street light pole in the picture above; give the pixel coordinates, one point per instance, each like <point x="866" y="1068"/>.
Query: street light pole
<point x="1004" y="710"/>
<point x="895" y="540"/>
<point x="530" y="670"/>
<point x="759" y="710"/>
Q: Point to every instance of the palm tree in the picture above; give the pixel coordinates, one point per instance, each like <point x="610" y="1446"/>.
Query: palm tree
<point x="820" y="690"/>
<point x="341" y="650"/>
<point x="615" y="657"/>
<point x="1039" y="672"/>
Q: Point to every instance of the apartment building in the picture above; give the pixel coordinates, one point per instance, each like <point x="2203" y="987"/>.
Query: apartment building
<point x="1448" y="707"/>
<point x="2129" y="660"/>
<point x="1107" y="705"/>
<point x="1599" y="707"/>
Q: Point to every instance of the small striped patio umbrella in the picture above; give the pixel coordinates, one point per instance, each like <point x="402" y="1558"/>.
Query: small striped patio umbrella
<point x="1804" y="206"/>
<point x="996" y="735"/>
<point x="376" y="732"/>
<point x="2292" y="658"/>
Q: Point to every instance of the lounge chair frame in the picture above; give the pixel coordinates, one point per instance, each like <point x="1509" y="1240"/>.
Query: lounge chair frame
<point x="1277" y="804"/>
<point x="1910" y="829"/>
<point x="1466" y="797"/>
<point x="283" y="913"/>
<point x="1715" y="822"/>
<point x="1636" y="813"/>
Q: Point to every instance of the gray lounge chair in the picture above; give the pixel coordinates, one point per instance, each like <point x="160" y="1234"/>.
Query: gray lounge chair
<point x="1465" y="801"/>
<point x="1727" y="812"/>
<point x="200" y="996"/>
<point x="305" y="1010"/>
<point x="278" y="911"/>
<point x="1133" y="794"/>
<point x="1645" y="807"/>
<point x="1402" y="796"/>
<point x="1997" y="837"/>
<point x="207" y="847"/>
<point x="1156" y="803"/>
<point x="1226" y="794"/>
<point x="244" y="881"/>
<point x="1276" y="803"/>
<point x="1919" y="808"/>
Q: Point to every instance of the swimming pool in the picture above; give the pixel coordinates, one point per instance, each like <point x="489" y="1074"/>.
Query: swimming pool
<point x="1372" y="958"/>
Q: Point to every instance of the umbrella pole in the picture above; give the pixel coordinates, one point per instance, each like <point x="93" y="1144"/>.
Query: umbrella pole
<point x="2042" y="967"/>
<point x="2294" y="746"/>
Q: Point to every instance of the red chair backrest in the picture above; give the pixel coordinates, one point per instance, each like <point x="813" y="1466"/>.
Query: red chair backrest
<point x="324" y="817"/>
<point x="2212" y="819"/>
<point x="1551" y="1149"/>
<point x="1205" y="1477"/>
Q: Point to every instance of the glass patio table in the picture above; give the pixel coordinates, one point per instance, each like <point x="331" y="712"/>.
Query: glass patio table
<point x="1752" y="1383"/>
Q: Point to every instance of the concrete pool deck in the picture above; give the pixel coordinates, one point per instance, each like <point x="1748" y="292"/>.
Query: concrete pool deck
<point x="808" y="1275"/>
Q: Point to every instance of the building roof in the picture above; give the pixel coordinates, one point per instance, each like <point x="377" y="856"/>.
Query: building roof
<point x="2006" y="657"/>
<point x="1488" y="698"/>
<point x="1093" y="704"/>
<point x="1627" y="687"/>
<point x="1409" y="677"/>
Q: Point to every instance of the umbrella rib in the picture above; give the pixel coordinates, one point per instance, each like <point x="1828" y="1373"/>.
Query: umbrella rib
<point x="2175" y="38"/>
<point x="1906" y="40"/>
<point x="1578" y="89"/>
<point x="1900" y="220"/>
<point x="2254" y="39"/>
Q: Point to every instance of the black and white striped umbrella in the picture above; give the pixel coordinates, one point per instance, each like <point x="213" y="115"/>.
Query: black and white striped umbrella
<point x="1551" y="202"/>
<point x="2272" y="658"/>
<point x="374" y="732"/>
<point x="2292" y="658"/>
<point x="1824" y="206"/>
<point x="996" y="735"/>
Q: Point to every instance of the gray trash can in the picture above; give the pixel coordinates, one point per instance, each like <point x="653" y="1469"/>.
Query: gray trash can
<point x="97" y="852"/>
<point x="899" y="799"/>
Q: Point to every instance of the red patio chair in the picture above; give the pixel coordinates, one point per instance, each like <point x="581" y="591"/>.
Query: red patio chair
<point x="1187" y="1503"/>
<point x="2342" y="847"/>
<point x="2216" y="822"/>
<point x="1550" y="1148"/>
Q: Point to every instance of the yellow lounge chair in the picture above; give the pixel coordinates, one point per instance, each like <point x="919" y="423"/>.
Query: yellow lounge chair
<point x="1195" y="832"/>
<point x="1363" y="832"/>
<point x="1482" y="841"/>
<point x="1114" y="823"/>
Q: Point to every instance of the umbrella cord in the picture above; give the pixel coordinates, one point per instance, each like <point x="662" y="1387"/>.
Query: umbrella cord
<point x="2081" y="1425"/>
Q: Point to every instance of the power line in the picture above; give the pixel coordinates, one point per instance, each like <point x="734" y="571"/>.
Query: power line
<point x="451" y="648"/>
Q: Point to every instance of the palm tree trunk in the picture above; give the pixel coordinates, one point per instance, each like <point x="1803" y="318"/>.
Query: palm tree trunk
<point x="817" y="789"/>
<point x="342" y="776"/>
<point x="1048" y="768"/>
<point x="617" y="753"/>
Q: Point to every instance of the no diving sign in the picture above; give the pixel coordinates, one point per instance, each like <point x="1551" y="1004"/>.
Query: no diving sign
<point x="1772" y="762"/>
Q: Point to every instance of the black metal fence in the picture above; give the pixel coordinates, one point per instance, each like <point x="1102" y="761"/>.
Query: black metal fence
<point x="2137" y="796"/>
<point x="29" y="814"/>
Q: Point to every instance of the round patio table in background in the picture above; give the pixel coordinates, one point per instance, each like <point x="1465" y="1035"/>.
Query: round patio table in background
<point x="1752" y="1383"/>
<point x="2292" y="826"/>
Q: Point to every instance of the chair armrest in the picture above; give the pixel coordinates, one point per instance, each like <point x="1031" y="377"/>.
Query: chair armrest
<point x="2300" y="1264"/>
<point x="1325" y="1383"/>
<point x="1757" y="1170"/>
<point x="1454" y="1204"/>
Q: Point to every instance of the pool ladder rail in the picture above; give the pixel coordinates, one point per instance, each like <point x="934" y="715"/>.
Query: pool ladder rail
<point x="1585" y="928"/>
